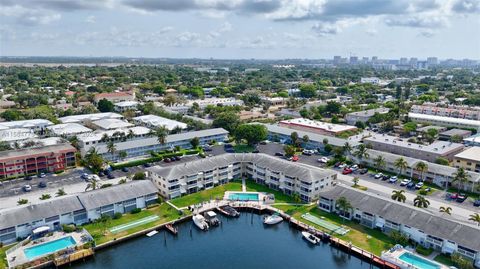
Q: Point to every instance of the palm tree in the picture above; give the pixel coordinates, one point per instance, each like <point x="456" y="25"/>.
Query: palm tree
<point x="344" y="206"/>
<point x="401" y="165"/>
<point x="399" y="196"/>
<point x="122" y="154"/>
<point x="446" y="210"/>
<point x="60" y="192"/>
<point x="421" y="167"/>
<point x="461" y="177"/>
<point x="379" y="162"/>
<point x="355" y="181"/>
<point x="475" y="218"/>
<point x="93" y="184"/>
<point x="347" y="148"/>
<point x="305" y="140"/>
<point x="361" y="152"/>
<point x="161" y="134"/>
<point x="294" y="138"/>
<point x="421" y="201"/>
<point x="111" y="148"/>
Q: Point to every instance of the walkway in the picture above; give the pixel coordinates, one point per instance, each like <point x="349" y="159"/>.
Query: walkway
<point x="244" y="185"/>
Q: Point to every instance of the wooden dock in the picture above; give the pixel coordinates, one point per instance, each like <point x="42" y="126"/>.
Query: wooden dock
<point x="78" y="255"/>
<point x="169" y="227"/>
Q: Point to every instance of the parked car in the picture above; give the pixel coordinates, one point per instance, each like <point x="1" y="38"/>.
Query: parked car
<point x="343" y="165"/>
<point x="28" y="178"/>
<point x="207" y="149"/>
<point x="393" y="179"/>
<point x="264" y="142"/>
<point x="405" y="182"/>
<point x="385" y="177"/>
<point x="110" y="176"/>
<point x="177" y="158"/>
<point x="125" y="169"/>
<point x="411" y="185"/>
<point x="84" y="176"/>
<point x="101" y="174"/>
<point x="323" y="160"/>
<point x="42" y="184"/>
<point x="461" y="197"/>
<point x="354" y="167"/>
<point x="378" y="176"/>
<point x="308" y="152"/>
<point x="27" y="188"/>
<point x="42" y="175"/>
<point x="147" y="165"/>
<point x="363" y="171"/>
<point x="451" y="196"/>
<point x="279" y="154"/>
<point x="295" y="158"/>
<point x="337" y="164"/>
<point x="256" y="151"/>
<point x="347" y="171"/>
<point x="419" y="185"/>
<point x="167" y="160"/>
<point x="476" y="203"/>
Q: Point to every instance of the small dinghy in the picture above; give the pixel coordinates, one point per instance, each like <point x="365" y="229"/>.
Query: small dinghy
<point x="152" y="233"/>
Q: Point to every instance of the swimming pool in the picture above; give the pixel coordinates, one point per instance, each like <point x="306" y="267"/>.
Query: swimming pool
<point x="243" y="196"/>
<point x="418" y="261"/>
<point x="49" y="247"/>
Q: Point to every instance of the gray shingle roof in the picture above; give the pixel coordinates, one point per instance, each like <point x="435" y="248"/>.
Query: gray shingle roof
<point x="462" y="234"/>
<point x="301" y="171"/>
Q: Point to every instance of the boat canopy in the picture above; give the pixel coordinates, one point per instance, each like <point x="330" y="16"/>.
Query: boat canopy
<point x="211" y="214"/>
<point x="41" y="229"/>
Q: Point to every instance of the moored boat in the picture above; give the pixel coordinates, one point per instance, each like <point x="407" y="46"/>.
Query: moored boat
<point x="200" y="221"/>
<point x="211" y="218"/>
<point x="311" y="238"/>
<point x="272" y="219"/>
<point x="228" y="211"/>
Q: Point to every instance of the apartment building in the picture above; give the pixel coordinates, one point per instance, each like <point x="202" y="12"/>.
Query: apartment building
<point x="34" y="125"/>
<point x="68" y="129"/>
<point x="468" y="159"/>
<point x="438" y="174"/>
<point x="88" y="118"/>
<point x="318" y="127"/>
<point x="364" y="116"/>
<point x="115" y="97"/>
<point x="461" y="112"/>
<point x="203" y="103"/>
<point x="139" y="141"/>
<point x="45" y="159"/>
<point x="278" y="174"/>
<point x="154" y="122"/>
<point x="430" y="153"/>
<point x="19" y="222"/>
<point x="445" y="121"/>
<point x="422" y="227"/>
<point x="125" y="106"/>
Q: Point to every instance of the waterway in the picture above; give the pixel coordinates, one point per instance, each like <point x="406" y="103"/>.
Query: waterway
<point x="243" y="243"/>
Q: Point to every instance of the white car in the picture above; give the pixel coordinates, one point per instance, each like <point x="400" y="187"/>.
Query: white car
<point x="419" y="185"/>
<point x="378" y="176"/>
<point x="354" y="167"/>
<point x="323" y="160"/>
<point x="405" y="182"/>
<point x="343" y="165"/>
<point x="393" y="179"/>
<point x="27" y="188"/>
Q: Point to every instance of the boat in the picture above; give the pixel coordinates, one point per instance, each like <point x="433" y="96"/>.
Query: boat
<point x="228" y="211"/>
<point x="211" y="218"/>
<point x="171" y="229"/>
<point x="311" y="238"/>
<point x="152" y="233"/>
<point x="200" y="221"/>
<point x="272" y="219"/>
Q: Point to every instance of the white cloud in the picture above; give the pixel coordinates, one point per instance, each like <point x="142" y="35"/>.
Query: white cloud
<point x="90" y="19"/>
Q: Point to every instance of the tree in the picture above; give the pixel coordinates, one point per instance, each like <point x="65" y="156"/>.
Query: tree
<point x="45" y="196"/>
<point x="379" y="162"/>
<point x="360" y="125"/>
<point x="344" y="206"/>
<point x="105" y="106"/>
<point x="475" y="218"/>
<point x="289" y="150"/>
<point x="347" y="148"/>
<point x="410" y="127"/>
<point x="93" y="184"/>
<point x="195" y="142"/>
<point x="307" y="90"/>
<point x="22" y="201"/>
<point x="228" y="120"/>
<point x="355" y="181"/>
<point x="461" y="262"/>
<point x="445" y="210"/>
<point x="361" y="152"/>
<point x="431" y="135"/>
<point x="456" y="138"/>
<point x="399" y="196"/>
<point x="170" y="100"/>
<point x="139" y="176"/>
<point x="111" y="148"/>
<point x="421" y="167"/>
<point x="60" y="192"/>
<point x="401" y="165"/>
<point x="161" y="133"/>
<point x="325" y="141"/>
<point x="461" y="178"/>
<point x="294" y="138"/>
<point x="421" y="202"/>
<point x="253" y="133"/>
<point x="122" y="154"/>
<point x="104" y="221"/>
<point x="442" y="161"/>
<point x="399" y="238"/>
<point x="93" y="160"/>
<point x="305" y="140"/>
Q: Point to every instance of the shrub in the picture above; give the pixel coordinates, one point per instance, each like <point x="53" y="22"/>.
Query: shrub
<point x="423" y="251"/>
<point x="105" y="185"/>
<point x="135" y="211"/>
<point x="68" y="228"/>
<point x="117" y="215"/>
<point x="423" y="192"/>
<point x="399" y="238"/>
<point x="139" y="176"/>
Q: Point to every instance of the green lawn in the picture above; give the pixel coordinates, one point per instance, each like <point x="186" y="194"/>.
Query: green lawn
<point x="242" y="148"/>
<point x="279" y="196"/>
<point x="3" y="260"/>
<point x="206" y="195"/>
<point x="444" y="259"/>
<point x="370" y="240"/>
<point x="101" y="233"/>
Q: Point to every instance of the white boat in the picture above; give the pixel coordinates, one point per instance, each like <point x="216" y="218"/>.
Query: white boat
<point x="272" y="219"/>
<point x="152" y="233"/>
<point x="311" y="238"/>
<point x="200" y="221"/>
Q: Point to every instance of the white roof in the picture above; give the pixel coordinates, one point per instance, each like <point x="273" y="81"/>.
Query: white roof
<point x="156" y="121"/>
<point x="25" y="123"/>
<point x="439" y="147"/>
<point x="472" y="153"/>
<point x="41" y="229"/>
<point x="126" y="103"/>
<point x="302" y="122"/>
<point x="68" y="128"/>
<point x="448" y="120"/>
<point x="97" y="135"/>
<point x="16" y="134"/>
<point x="109" y="124"/>
<point x="90" y="117"/>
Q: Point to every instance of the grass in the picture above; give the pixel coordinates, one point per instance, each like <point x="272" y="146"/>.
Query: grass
<point x="101" y="233"/>
<point x="360" y="187"/>
<point x="242" y="148"/>
<point x="3" y="261"/>
<point x="424" y="251"/>
<point x="279" y="196"/>
<point x="365" y="238"/>
<point x="444" y="259"/>
<point x="206" y="195"/>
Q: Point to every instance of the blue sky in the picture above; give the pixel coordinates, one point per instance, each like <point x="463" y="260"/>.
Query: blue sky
<point x="241" y="28"/>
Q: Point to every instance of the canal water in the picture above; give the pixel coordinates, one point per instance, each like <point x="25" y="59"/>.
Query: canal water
<point x="242" y="243"/>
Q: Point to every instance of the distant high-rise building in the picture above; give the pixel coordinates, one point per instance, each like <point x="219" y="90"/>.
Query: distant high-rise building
<point x="403" y="61"/>
<point x="432" y="61"/>
<point x="413" y="62"/>
<point x="353" y="60"/>
<point x="374" y="59"/>
<point x="365" y="60"/>
<point x="337" y="59"/>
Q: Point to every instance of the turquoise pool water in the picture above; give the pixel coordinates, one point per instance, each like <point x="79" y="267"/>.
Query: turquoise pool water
<point x="241" y="196"/>
<point x="418" y="261"/>
<point x="50" y="247"/>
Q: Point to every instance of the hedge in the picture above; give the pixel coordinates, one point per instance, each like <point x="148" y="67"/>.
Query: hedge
<point x="157" y="156"/>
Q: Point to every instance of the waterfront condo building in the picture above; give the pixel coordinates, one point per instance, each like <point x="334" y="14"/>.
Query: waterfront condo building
<point x="278" y="174"/>
<point x="318" y="127"/>
<point x="19" y="222"/>
<point x="431" y="231"/>
<point x="445" y="121"/>
<point x="430" y="153"/>
<point x="54" y="158"/>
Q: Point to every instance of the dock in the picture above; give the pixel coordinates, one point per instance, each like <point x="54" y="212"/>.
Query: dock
<point x="78" y="255"/>
<point x="169" y="227"/>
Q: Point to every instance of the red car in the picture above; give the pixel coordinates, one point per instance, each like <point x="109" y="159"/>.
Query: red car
<point x="295" y="158"/>
<point x="347" y="171"/>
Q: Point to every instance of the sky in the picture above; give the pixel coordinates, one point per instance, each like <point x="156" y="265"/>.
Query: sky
<point x="241" y="29"/>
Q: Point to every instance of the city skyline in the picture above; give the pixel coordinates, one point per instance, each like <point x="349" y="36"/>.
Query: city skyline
<point x="242" y="29"/>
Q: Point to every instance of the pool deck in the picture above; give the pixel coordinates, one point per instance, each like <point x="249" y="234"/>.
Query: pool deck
<point x="262" y="197"/>
<point x="17" y="256"/>
<point x="394" y="257"/>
